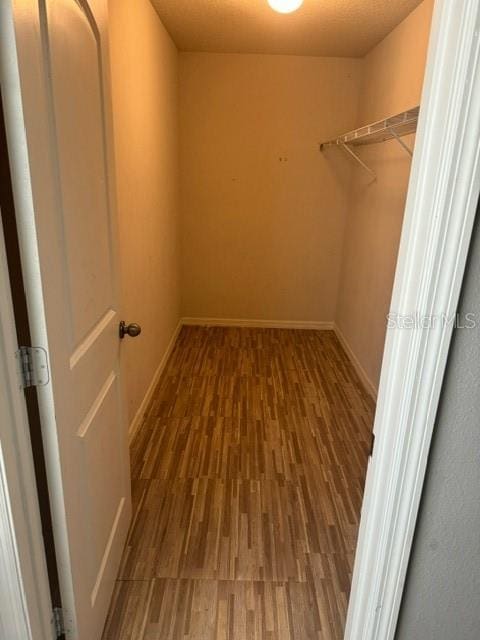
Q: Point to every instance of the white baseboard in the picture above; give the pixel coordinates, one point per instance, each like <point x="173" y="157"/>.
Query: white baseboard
<point x="265" y="324"/>
<point x="362" y="374"/>
<point x="138" y="418"/>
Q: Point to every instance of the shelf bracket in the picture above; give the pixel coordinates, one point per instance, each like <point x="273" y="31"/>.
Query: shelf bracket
<point x="401" y="142"/>
<point x="352" y="153"/>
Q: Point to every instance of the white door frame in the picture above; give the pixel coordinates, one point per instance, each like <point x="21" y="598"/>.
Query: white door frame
<point x="25" y="605"/>
<point x="441" y="204"/>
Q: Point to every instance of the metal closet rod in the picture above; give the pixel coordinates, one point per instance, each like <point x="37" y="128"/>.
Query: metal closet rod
<point x="392" y="128"/>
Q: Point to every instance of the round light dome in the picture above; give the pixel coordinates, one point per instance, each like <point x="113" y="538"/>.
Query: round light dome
<point x="285" y="6"/>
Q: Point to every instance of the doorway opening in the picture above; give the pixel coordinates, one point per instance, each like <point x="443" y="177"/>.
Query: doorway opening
<point x="260" y="202"/>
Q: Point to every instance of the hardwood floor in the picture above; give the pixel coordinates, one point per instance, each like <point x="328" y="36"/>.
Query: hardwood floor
<point x="247" y="481"/>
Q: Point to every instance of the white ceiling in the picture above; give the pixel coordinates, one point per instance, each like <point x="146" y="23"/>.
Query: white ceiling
<point x="318" y="28"/>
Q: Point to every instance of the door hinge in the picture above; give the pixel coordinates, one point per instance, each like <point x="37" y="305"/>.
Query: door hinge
<point x="372" y="445"/>
<point x="58" y="622"/>
<point x="32" y="367"/>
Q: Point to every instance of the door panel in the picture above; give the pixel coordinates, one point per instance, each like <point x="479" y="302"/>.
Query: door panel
<point x="102" y="494"/>
<point x="75" y="63"/>
<point x="63" y="63"/>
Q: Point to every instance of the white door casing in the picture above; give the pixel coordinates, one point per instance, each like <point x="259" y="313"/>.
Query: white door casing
<point x="25" y="606"/>
<point x="441" y="205"/>
<point x="64" y="191"/>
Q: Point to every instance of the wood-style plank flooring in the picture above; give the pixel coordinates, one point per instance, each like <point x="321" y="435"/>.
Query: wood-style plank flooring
<point x="247" y="481"/>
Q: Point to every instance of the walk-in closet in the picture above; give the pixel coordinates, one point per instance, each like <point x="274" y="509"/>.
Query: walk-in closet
<point x="219" y="190"/>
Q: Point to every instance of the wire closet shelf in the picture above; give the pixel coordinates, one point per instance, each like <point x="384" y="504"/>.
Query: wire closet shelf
<point x="393" y="128"/>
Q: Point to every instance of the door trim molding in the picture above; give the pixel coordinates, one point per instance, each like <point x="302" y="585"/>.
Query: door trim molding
<point x="14" y="618"/>
<point x="440" y="210"/>
<point x="25" y="605"/>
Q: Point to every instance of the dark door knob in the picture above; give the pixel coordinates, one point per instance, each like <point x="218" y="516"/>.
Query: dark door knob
<point x="133" y="330"/>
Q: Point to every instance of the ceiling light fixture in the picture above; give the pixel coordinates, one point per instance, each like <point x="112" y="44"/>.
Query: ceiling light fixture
<point x="285" y="6"/>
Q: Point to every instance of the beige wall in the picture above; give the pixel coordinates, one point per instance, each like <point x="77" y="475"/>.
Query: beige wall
<point x="145" y="90"/>
<point x="392" y="82"/>
<point x="264" y="227"/>
<point x="262" y="238"/>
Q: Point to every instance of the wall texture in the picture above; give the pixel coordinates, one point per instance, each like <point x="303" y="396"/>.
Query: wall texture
<point x="145" y="104"/>
<point x="392" y="82"/>
<point x="262" y="210"/>
<point x="442" y="593"/>
<point x="263" y="213"/>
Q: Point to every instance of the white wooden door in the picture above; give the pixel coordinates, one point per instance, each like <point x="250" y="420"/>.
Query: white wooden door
<point x="68" y="243"/>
